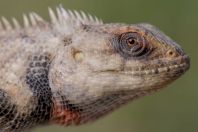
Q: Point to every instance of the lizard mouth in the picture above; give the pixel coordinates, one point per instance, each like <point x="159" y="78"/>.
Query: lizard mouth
<point x="178" y="66"/>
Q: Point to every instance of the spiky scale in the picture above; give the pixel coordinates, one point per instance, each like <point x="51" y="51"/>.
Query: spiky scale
<point x="52" y="16"/>
<point x="26" y="21"/>
<point x="16" y="24"/>
<point x="6" y="24"/>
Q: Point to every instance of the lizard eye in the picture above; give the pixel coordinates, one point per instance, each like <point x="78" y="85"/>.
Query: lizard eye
<point x="131" y="44"/>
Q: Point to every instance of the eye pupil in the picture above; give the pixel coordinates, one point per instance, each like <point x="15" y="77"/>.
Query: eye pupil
<point x="131" y="42"/>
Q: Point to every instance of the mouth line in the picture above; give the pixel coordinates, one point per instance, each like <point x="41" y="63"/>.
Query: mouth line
<point x="163" y="69"/>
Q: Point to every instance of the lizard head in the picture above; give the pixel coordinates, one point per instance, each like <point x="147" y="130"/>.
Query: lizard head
<point x="151" y="58"/>
<point x="110" y="65"/>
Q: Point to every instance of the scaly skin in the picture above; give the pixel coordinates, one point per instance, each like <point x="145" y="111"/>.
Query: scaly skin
<point x="75" y="70"/>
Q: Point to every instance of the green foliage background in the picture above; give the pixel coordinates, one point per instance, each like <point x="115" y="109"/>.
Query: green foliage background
<point x="175" y="108"/>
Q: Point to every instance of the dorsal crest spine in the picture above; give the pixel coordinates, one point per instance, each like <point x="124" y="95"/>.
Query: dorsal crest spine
<point x="60" y="17"/>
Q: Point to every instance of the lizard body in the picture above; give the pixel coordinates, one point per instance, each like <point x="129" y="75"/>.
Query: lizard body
<point x="76" y="69"/>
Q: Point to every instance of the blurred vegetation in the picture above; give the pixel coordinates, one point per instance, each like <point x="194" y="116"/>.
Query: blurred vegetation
<point x="174" y="109"/>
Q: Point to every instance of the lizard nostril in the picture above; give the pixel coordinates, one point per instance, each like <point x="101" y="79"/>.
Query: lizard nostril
<point x="171" y="53"/>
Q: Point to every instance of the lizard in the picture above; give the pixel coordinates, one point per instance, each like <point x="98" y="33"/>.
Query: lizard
<point x="76" y="69"/>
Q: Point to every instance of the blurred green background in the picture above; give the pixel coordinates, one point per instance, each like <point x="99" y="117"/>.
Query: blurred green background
<point x="174" y="109"/>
